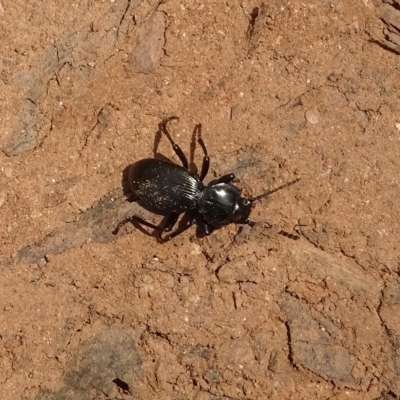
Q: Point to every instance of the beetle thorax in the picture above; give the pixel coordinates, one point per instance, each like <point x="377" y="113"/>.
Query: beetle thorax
<point x="222" y="204"/>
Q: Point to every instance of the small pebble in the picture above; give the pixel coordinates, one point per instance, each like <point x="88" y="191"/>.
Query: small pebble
<point x="312" y="116"/>
<point x="305" y="221"/>
<point x="3" y="198"/>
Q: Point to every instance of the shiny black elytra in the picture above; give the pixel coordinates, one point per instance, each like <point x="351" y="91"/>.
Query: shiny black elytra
<point x="174" y="189"/>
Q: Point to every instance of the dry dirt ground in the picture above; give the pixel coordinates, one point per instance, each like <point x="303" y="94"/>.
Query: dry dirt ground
<point x="283" y="89"/>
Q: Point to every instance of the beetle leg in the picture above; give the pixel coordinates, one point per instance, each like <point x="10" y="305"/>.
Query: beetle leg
<point x="178" y="151"/>
<point x="206" y="159"/>
<point x="179" y="230"/>
<point x="166" y="120"/>
<point x="228" y="178"/>
<point x="135" y="220"/>
<point x="171" y="221"/>
<point x="208" y="229"/>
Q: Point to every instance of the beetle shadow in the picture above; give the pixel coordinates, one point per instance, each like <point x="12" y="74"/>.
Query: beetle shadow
<point x="192" y="166"/>
<point x="126" y="187"/>
<point x="157" y="139"/>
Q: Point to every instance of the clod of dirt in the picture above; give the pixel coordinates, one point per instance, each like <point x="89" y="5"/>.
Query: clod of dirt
<point x="257" y="26"/>
<point x="26" y="132"/>
<point x="148" y="51"/>
<point x="390" y="315"/>
<point x="105" y="365"/>
<point x="389" y="13"/>
<point x="234" y="271"/>
<point x="75" y="50"/>
<point x="317" y="349"/>
<point x="349" y="275"/>
<point x="236" y="353"/>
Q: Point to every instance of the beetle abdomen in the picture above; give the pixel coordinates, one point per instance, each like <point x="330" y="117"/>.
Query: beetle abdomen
<point x="164" y="185"/>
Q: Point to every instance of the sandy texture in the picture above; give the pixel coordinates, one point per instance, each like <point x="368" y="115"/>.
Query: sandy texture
<point x="283" y="89"/>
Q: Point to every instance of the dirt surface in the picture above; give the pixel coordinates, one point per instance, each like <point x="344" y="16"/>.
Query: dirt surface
<point x="283" y="90"/>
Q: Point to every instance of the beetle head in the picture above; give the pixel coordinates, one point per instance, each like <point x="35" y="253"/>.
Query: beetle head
<point x="241" y="211"/>
<point x="243" y="206"/>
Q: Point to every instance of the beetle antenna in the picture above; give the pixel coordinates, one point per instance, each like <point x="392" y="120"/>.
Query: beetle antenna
<point x="274" y="190"/>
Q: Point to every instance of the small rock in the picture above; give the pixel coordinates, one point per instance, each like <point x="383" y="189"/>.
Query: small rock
<point x="312" y="116"/>
<point x="234" y="271"/>
<point x="305" y="221"/>
<point x="146" y="55"/>
<point x="236" y="353"/>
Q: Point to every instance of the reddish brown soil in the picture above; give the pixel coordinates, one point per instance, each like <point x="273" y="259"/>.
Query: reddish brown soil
<point x="284" y="89"/>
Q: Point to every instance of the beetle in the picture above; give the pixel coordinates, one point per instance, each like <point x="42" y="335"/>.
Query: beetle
<point x="174" y="189"/>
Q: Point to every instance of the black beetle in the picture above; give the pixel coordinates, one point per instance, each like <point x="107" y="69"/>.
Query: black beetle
<point x="174" y="189"/>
